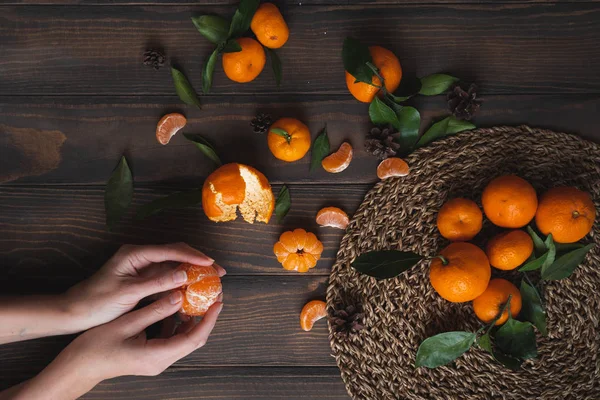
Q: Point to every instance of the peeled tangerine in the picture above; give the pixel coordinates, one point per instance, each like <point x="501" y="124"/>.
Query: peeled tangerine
<point x="201" y="290"/>
<point x="234" y="187"/>
<point x="298" y="250"/>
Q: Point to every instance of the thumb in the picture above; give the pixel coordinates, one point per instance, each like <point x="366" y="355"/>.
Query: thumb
<point x="136" y="321"/>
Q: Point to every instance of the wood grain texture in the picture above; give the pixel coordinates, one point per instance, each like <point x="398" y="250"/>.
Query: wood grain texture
<point x="304" y="3"/>
<point x="98" y="130"/>
<point x="507" y="48"/>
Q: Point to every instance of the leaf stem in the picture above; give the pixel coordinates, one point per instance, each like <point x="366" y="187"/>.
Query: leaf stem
<point x="493" y="323"/>
<point x="444" y="259"/>
<point x="283" y="133"/>
<point x="381" y="79"/>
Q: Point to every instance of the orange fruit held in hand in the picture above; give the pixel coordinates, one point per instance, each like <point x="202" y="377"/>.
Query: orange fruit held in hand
<point x="311" y="313"/>
<point x="298" y="250"/>
<point x="333" y="217"/>
<point x="292" y="144"/>
<point x="509" y="201"/>
<point x="244" y="66"/>
<point x="338" y="161"/>
<point x="237" y="186"/>
<point x="462" y="275"/>
<point x="168" y="126"/>
<point x="391" y="167"/>
<point x="510" y="249"/>
<point x="487" y="306"/>
<point x="201" y="290"/>
<point x="459" y="220"/>
<point x="567" y="213"/>
<point x="389" y="68"/>
<point x="269" y="26"/>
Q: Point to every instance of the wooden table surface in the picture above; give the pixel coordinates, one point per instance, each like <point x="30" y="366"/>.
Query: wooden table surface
<point x="74" y="96"/>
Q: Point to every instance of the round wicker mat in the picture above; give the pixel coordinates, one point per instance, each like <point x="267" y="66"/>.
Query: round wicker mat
<point x="399" y="213"/>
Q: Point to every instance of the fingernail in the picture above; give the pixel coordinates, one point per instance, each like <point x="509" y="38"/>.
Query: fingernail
<point x="175" y="297"/>
<point x="179" y="277"/>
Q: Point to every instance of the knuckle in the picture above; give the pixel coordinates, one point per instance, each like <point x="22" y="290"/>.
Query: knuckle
<point x="158" y="308"/>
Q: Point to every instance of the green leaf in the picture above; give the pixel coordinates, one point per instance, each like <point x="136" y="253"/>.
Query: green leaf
<point x="436" y="84"/>
<point x="283" y="203"/>
<point x="240" y="22"/>
<point x="355" y="56"/>
<point x="562" y="248"/>
<point x="509" y="362"/>
<point x="549" y="243"/>
<point x="441" y="349"/>
<point x="205" y="147"/>
<point x="281" y="132"/>
<point x="564" y="266"/>
<point x="175" y="200"/>
<point x="409" y="122"/>
<point x="534" y="264"/>
<point x="447" y="126"/>
<point x="381" y="114"/>
<point x="277" y="67"/>
<point x="485" y="342"/>
<point x="409" y="86"/>
<point x="184" y="89"/>
<point x="118" y="193"/>
<point x="538" y="244"/>
<point x="212" y="27"/>
<point x="532" y="309"/>
<point x="386" y="263"/>
<point x="231" y="46"/>
<point x="320" y="149"/>
<point x="208" y="70"/>
<point x="516" y="339"/>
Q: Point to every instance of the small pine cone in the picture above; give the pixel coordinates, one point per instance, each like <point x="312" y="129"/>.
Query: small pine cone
<point x="380" y="142"/>
<point x="463" y="103"/>
<point x="261" y="123"/>
<point x="346" y="321"/>
<point x="154" y="58"/>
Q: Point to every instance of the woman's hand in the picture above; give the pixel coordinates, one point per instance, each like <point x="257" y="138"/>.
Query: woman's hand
<point x="133" y="273"/>
<point x="120" y="348"/>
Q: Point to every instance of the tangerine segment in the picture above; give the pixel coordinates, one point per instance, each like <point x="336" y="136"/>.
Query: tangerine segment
<point x="488" y="305"/>
<point x="333" y="217"/>
<point x="567" y="213"/>
<point x="311" y="313"/>
<point x="201" y="290"/>
<point x="509" y="201"/>
<point x="391" y="167"/>
<point x="168" y="126"/>
<point x="244" y="66"/>
<point x="508" y="250"/>
<point x="235" y="187"/>
<point x="269" y="26"/>
<point x="299" y="140"/>
<point x="389" y="68"/>
<point x="461" y="274"/>
<point x="459" y="219"/>
<point x="338" y="161"/>
<point x="298" y="250"/>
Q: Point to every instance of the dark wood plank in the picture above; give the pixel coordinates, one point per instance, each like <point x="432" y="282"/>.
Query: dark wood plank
<point x="98" y="50"/>
<point x="238" y="383"/>
<point x="304" y="3"/>
<point x="79" y="140"/>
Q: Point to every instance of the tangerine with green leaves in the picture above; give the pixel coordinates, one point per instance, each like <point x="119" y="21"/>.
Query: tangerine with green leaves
<point x="288" y="139"/>
<point x="488" y="305"/>
<point x="245" y="65"/>
<point x="389" y="69"/>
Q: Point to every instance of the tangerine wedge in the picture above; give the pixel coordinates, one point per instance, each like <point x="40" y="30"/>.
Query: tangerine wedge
<point x="311" y="313"/>
<point x="338" y="161"/>
<point x="333" y="217"/>
<point x="391" y="167"/>
<point x="168" y="126"/>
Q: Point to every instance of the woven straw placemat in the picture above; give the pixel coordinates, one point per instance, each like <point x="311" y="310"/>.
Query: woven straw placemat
<point x="399" y="213"/>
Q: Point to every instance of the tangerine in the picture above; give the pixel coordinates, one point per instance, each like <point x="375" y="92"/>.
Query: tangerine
<point x="333" y="217"/>
<point x="567" y="213"/>
<point x="459" y="219"/>
<point x="391" y="167"/>
<point x="168" y="126"/>
<point x="338" y="161"/>
<point x="311" y="313"/>
<point x="460" y="273"/>
<point x="389" y="69"/>
<point x="292" y="141"/>
<point x="509" y="201"/>
<point x="269" y="26"/>
<point x="508" y="250"/>
<point x="201" y="290"/>
<point x="298" y="250"/>
<point x="487" y="306"/>
<point x="244" y="66"/>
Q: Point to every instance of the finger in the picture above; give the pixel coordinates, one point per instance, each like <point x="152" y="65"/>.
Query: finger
<point x="167" y="328"/>
<point x="186" y="326"/>
<point x="166" y="280"/>
<point x="142" y="256"/>
<point x="220" y="270"/>
<point x="136" y="321"/>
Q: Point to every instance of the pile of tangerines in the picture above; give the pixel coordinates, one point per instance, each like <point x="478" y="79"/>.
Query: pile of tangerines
<point x="462" y="271"/>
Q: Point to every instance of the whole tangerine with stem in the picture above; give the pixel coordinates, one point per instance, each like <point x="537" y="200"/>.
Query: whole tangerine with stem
<point x="567" y="213"/>
<point x="311" y="313"/>
<point x="508" y="250"/>
<point x="269" y="26"/>
<point x="245" y="65"/>
<point x="461" y="272"/>
<point x="201" y="290"/>
<point x="340" y="160"/>
<point x="509" y="201"/>
<point x="389" y="69"/>
<point x="234" y="187"/>
<point x="168" y="126"/>
<point x="298" y="250"/>
<point x="459" y="219"/>
<point x="488" y="305"/>
<point x="288" y="139"/>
